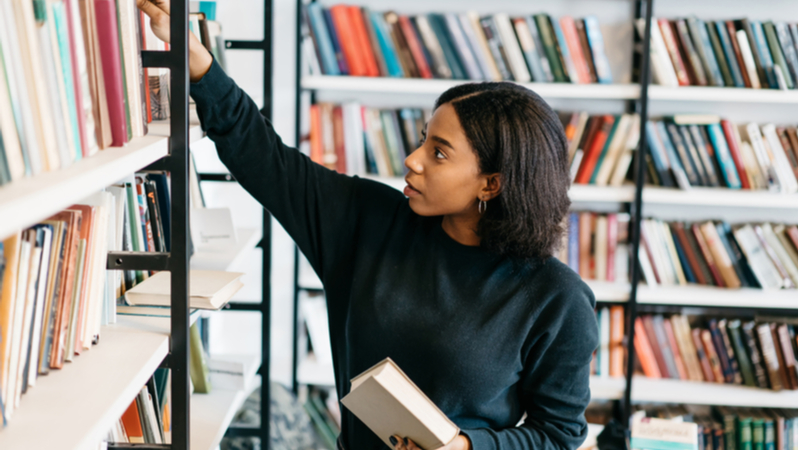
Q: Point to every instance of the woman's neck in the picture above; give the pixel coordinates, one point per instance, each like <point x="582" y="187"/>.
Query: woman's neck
<point x="461" y="228"/>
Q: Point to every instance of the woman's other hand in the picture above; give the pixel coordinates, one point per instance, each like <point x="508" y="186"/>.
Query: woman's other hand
<point x="199" y="58"/>
<point x="461" y="442"/>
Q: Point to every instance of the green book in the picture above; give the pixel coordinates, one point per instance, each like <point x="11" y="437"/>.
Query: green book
<point x="198" y="366"/>
<point x="744" y="434"/>
<point x="719" y="54"/>
<point x="125" y="100"/>
<point x="758" y="431"/>
<point x="777" y="53"/>
<point x="728" y="419"/>
<point x="549" y="42"/>
<point x="769" y="432"/>
<point x="745" y="365"/>
<point x="605" y="149"/>
<point x="324" y="431"/>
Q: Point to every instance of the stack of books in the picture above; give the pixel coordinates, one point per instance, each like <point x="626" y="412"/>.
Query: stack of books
<point x="350" y="40"/>
<point x="757" y="354"/>
<point x="72" y="81"/>
<point x="609" y="358"/>
<point x="595" y="245"/>
<point x="147" y="419"/>
<point x="600" y="147"/>
<point x="716" y="254"/>
<point x="732" y="53"/>
<point x="692" y="150"/>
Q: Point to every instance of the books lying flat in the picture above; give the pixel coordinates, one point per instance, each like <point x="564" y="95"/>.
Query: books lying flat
<point x="389" y="403"/>
<point x="208" y="289"/>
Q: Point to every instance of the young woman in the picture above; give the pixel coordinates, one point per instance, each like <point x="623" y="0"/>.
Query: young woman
<point x="455" y="283"/>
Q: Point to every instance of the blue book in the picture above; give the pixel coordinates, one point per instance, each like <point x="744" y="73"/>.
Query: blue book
<point x="209" y="9"/>
<point x="573" y="252"/>
<point x="674" y="162"/>
<point x="439" y="28"/>
<point x="657" y="152"/>
<point x="337" y="47"/>
<point x="329" y="64"/>
<point x="387" y="45"/>
<point x="763" y="51"/>
<point x="724" y="158"/>
<point x="703" y="42"/>
<point x="730" y="56"/>
<point x="463" y="48"/>
<point x="569" y="66"/>
<point x="60" y="15"/>
<point x="687" y="268"/>
<point x="537" y="42"/>
<point x="595" y="38"/>
<point x="788" y="48"/>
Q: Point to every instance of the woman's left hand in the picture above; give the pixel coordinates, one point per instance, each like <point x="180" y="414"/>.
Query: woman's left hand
<point x="461" y="442"/>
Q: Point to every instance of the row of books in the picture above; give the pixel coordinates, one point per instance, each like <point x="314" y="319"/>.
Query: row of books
<point x="147" y="419"/>
<point x="719" y="427"/>
<point x="56" y="291"/>
<point x="595" y="245"/>
<point x="716" y="254"/>
<point x="608" y="359"/>
<point x="323" y="410"/>
<point x="734" y="53"/>
<point x="688" y="151"/>
<point x="72" y="81"/>
<point x="351" y="40"/>
<point x="756" y="354"/>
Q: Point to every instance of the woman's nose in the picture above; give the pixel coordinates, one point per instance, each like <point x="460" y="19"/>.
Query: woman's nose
<point x="413" y="161"/>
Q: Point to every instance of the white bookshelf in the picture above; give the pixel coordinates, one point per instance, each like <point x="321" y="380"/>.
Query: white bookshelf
<point x="29" y="200"/>
<point x="77" y="405"/>
<point x="246" y="240"/>
<point x="719" y="197"/>
<point x="658" y="390"/>
<point x="211" y="414"/>
<point x="404" y="86"/>
<point x="311" y="371"/>
<point x="721" y="94"/>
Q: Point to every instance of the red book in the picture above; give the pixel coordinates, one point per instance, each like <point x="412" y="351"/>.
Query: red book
<point x="650" y="333"/>
<point x="86" y="232"/>
<point x="594" y="149"/>
<point x="338" y="140"/>
<point x="705" y="364"/>
<point x="362" y="41"/>
<point x="348" y="40"/>
<point x="315" y="134"/>
<point x="644" y="351"/>
<point x="575" y="50"/>
<point x="415" y="47"/>
<point x="108" y="41"/>
<point x="76" y="77"/>
<point x="706" y="251"/>
<point x="736" y="153"/>
<point x="674" y="53"/>
<point x="613" y="231"/>
<point x="738" y="52"/>
<point x="683" y="374"/>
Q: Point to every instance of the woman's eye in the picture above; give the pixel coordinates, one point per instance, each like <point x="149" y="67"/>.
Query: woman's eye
<point x="438" y="154"/>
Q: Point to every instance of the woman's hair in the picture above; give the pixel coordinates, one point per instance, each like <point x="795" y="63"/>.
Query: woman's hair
<point x="516" y="134"/>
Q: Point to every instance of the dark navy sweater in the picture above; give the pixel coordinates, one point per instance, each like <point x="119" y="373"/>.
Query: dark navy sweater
<point x="487" y="338"/>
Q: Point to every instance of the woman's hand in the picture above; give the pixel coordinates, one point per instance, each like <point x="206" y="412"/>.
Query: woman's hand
<point x="461" y="442"/>
<point x="199" y="58"/>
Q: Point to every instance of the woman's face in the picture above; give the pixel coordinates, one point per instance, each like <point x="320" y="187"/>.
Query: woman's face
<point x="443" y="173"/>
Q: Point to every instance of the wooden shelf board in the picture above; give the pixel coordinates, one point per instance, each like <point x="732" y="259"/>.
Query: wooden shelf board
<point x="211" y="414"/>
<point x="721" y="94"/>
<point x="247" y="239"/>
<point x="76" y="406"/>
<point x="29" y="200"/>
<point x="435" y="87"/>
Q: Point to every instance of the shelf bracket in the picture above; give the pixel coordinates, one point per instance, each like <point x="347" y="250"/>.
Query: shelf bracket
<point x="157" y="58"/>
<point x="137" y="261"/>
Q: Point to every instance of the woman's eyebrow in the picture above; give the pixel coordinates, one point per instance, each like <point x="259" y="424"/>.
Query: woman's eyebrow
<point x="442" y="141"/>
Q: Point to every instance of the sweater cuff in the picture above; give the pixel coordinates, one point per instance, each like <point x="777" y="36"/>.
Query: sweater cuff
<point x="480" y="439"/>
<point x="213" y="87"/>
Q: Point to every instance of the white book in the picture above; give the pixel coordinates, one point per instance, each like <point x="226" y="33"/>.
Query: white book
<point x="98" y="275"/>
<point x="751" y="168"/>
<point x="25" y="255"/>
<point x="514" y="54"/>
<point x="73" y="152"/>
<point x="473" y="41"/>
<point x="605" y="338"/>
<point x="208" y="289"/>
<point x="763" y="269"/>
<point x="483" y="45"/>
<point x="747" y="58"/>
<point x="647" y="269"/>
<point x="53" y="77"/>
<point x="782" y="166"/>
<point x="353" y="138"/>
<point x="28" y="311"/>
<point x="663" y="70"/>
<point x="8" y="126"/>
<point x="463" y="49"/>
<point x="127" y="14"/>
<point x="38" y="312"/>
<point x="389" y="403"/>
<point x="780" y="251"/>
<point x="762" y="156"/>
<point x="583" y="119"/>
<point x="615" y="147"/>
<point x="312" y="66"/>
<point x="666" y="237"/>
<point x="315" y="313"/>
<point x="600" y="247"/>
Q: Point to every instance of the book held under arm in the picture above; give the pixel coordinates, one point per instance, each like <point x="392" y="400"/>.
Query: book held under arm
<point x="389" y="403"/>
<point x="208" y="289"/>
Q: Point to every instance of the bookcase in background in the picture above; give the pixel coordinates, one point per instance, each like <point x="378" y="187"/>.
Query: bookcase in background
<point x="625" y="94"/>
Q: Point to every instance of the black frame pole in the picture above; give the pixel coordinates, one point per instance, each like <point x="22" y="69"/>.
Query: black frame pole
<point x="298" y="67"/>
<point x="636" y="213"/>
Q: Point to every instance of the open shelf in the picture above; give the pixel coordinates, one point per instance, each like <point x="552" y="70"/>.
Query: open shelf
<point x="721" y="94"/>
<point x="212" y="413"/>
<point x="403" y="86"/>
<point x="311" y="371"/>
<point x="710" y="296"/>
<point x="74" y="408"/>
<point x="701" y="393"/>
<point x="719" y="197"/>
<point x="246" y="240"/>
<point x="28" y="200"/>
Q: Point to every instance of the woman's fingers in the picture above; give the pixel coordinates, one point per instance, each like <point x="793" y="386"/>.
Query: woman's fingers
<point x="398" y="442"/>
<point x="410" y="445"/>
<point x="152" y="9"/>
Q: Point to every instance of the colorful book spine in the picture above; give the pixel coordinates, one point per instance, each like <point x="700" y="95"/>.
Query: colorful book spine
<point x="601" y="64"/>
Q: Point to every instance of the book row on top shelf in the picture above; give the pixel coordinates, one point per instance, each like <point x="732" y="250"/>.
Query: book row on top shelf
<point x="72" y="82"/>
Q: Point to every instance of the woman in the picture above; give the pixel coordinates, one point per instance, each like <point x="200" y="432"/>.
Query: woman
<point x="455" y="283"/>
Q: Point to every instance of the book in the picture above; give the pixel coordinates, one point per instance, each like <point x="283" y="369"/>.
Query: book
<point x="389" y="403"/>
<point x="208" y="289"/>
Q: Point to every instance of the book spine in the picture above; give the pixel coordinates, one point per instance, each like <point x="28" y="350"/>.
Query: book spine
<point x="777" y="54"/>
<point x="719" y="55"/>
<point x="540" y="50"/>
<point x="573" y="44"/>
<point x="762" y="49"/>
<point x="415" y="47"/>
<point x="532" y="57"/>
<point x="724" y="157"/>
<point x="325" y="38"/>
<point x="462" y="47"/>
<point x="108" y="36"/>
<point x="596" y="43"/>
<point x="549" y="42"/>
<point x="562" y="50"/>
<point x="730" y="55"/>
<point x="674" y="52"/>
<point x="705" y="52"/>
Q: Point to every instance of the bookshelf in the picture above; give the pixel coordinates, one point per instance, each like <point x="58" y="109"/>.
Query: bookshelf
<point x="247" y="239"/>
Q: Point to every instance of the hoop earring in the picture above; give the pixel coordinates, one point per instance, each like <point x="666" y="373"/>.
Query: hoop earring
<point x="481" y="207"/>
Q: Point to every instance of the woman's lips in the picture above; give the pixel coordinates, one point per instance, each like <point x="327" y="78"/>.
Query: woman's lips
<point x="409" y="190"/>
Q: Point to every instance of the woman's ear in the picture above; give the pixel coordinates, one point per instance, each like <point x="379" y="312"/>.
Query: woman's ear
<point x="492" y="187"/>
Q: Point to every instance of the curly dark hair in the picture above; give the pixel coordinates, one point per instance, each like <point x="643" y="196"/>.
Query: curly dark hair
<point x="515" y="133"/>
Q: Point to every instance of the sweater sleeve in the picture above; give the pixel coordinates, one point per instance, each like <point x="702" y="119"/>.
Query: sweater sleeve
<point x="318" y="207"/>
<point x="554" y="382"/>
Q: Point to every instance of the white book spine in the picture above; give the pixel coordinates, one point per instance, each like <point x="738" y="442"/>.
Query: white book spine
<point x="52" y="74"/>
<point x="782" y="165"/>
<point x="463" y="48"/>
<point x="38" y="312"/>
<point x="764" y="161"/>
<point x="747" y="58"/>
<point x="483" y="46"/>
<point x="511" y="46"/>
<point x="766" y="274"/>
<point x="16" y="326"/>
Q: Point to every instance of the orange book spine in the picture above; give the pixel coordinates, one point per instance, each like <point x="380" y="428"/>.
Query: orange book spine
<point x="594" y="149"/>
<point x="575" y="49"/>
<point x="683" y="374"/>
<point x="415" y="47"/>
<point x="348" y="40"/>
<point x="644" y="352"/>
<point x="338" y="140"/>
<point x="616" y="350"/>
<point x="315" y="134"/>
<point x="132" y="425"/>
<point x="362" y="41"/>
<point x="705" y="364"/>
<point x="585" y="245"/>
